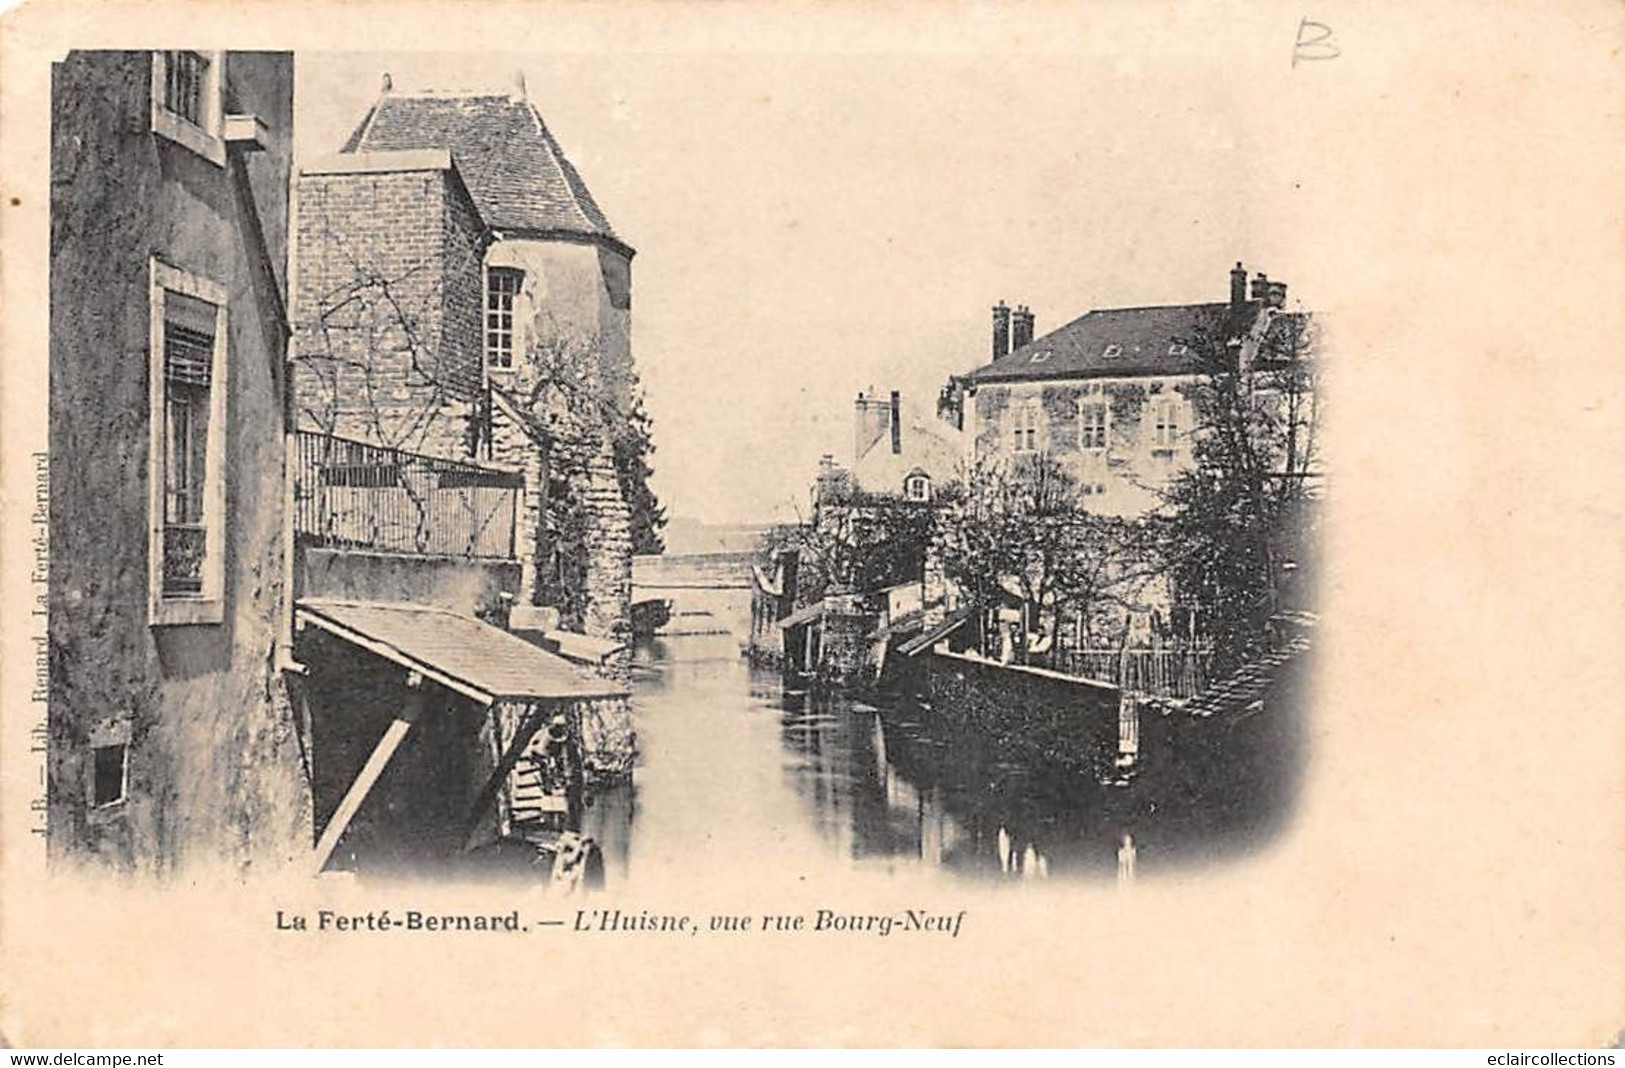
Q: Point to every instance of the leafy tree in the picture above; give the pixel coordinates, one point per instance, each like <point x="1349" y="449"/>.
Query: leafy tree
<point x="859" y="543"/>
<point x="1239" y="521"/>
<point x="634" y="444"/>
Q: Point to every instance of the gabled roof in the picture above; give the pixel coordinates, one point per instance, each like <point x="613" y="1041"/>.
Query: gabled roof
<point x="917" y="425"/>
<point x="520" y="177"/>
<point x="1117" y="343"/>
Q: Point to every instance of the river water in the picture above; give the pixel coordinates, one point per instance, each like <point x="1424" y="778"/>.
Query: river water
<point x="735" y="770"/>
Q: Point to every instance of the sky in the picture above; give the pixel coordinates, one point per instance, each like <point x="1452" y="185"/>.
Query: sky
<point x="811" y="225"/>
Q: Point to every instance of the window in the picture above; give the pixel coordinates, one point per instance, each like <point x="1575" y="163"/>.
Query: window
<point x="1165" y="428"/>
<point x="1112" y="352"/>
<point x="1093" y="489"/>
<point x="184" y="76"/>
<point x="1025" y="434"/>
<point x="1092" y="423"/>
<point x="1178" y="348"/>
<point x="186" y="101"/>
<point x="501" y="287"/>
<point x="186" y="469"/>
<point x="1041" y="356"/>
<point x="917" y="487"/>
<point x="110" y="764"/>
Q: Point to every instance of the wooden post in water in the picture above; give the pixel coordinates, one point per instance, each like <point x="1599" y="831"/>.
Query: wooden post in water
<point x="1125" y="862"/>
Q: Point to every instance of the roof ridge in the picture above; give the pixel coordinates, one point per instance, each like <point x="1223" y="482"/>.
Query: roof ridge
<point x="557" y="152"/>
<point x="359" y="134"/>
<point x="449" y="94"/>
<point x="1160" y="307"/>
<point x="1037" y="341"/>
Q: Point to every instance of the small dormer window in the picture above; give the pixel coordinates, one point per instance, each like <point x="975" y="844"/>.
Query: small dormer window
<point x="1041" y="356"/>
<point x="1112" y="352"/>
<point x="917" y="487"/>
<point x="1179" y="348"/>
<point x="186" y="101"/>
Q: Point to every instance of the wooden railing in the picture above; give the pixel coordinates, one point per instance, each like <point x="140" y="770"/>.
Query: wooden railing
<point x="350" y="494"/>
<point x="1180" y="671"/>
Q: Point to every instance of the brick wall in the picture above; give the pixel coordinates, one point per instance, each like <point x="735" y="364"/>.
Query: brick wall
<point x="388" y="309"/>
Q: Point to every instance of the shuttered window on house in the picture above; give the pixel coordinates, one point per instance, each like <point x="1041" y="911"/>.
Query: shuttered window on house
<point x="189" y="342"/>
<point x="1092" y="424"/>
<point x="185" y="76"/>
<point x="1025" y="419"/>
<point x="1166" y="434"/>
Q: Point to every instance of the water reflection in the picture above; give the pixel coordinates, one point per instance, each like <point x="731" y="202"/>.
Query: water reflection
<point x="733" y="769"/>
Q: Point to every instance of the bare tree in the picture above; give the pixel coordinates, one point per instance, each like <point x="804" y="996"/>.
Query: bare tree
<point x="1020" y="531"/>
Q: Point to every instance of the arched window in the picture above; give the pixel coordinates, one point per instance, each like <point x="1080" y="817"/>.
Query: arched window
<point x="917" y="487"/>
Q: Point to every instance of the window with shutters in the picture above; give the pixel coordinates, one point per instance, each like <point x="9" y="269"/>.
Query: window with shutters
<point x="1024" y="422"/>
<point x="1165" y="428"/>
<point x="1092" y="424"/>
<point x="186" y="100"/>
<point x="186" y="467"/>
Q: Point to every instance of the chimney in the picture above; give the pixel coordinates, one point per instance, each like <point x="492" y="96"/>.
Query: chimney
<point x="1238" y="285"/>
<point x="1021" y="327"/>
<point x="1261" y="286"/>
<point x="896" y="423"/>
<point x="518" y="90"/>
<point x="1277" y="295"/>
<point x="385" y="84"/>
<point x="1001" y="330"/>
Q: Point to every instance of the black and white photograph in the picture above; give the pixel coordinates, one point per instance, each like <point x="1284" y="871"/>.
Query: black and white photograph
<point x="894" y="490"/>
<point x="389" y="484"/>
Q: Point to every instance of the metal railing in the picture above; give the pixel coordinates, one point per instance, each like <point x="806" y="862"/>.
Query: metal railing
<point x="349" y="494"/>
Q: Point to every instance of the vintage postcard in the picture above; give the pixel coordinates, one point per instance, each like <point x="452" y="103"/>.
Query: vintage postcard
<point x="937" y="524"/>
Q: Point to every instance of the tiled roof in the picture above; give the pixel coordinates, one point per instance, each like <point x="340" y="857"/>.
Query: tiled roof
<point x="517" y="172"/>
<point x="1115" y="343"/>
<point x="473" y="654"/>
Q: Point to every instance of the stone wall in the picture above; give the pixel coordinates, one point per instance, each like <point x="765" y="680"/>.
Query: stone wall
<point x="847" y="651"/>
<point x="1121" y="479"/>
<point x="470" y="587"/>
<point x="577" y="291"/>
<point x="1031" y="713"/>
<point x="609" y="550"/>
<point x="604" y="568"/>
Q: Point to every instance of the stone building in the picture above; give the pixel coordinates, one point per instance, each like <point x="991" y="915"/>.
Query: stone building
<point x="461" y="296"/>
<point x="900" y="450"/>
<point x="172" y="742"/>
<point x="1110" y="394"/>
<point x="282" y="623"/>
<point x="514" y="289"/>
